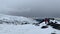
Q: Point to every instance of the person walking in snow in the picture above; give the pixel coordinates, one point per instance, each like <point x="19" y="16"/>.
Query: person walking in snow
<point x="46" y="20"/>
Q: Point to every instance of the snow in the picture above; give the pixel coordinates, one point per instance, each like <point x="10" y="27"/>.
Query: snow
<point x="23" y="29"/>
<point x="16" y="19"/>
<point x="58" y="22"/>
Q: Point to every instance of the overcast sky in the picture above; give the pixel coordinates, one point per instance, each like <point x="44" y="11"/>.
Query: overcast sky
<point x="38" y="8"/>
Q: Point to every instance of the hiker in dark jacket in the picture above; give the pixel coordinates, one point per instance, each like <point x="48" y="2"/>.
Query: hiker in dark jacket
<point x="46" y="20"/>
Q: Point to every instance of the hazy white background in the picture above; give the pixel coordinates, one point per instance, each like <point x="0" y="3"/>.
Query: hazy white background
<point x="38" y="8"/>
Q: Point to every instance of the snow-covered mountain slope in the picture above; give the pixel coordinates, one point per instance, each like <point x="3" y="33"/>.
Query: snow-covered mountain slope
<point x="8" y="26"/>
<point x="15" y="19"/>
<point x="26" y="29"/>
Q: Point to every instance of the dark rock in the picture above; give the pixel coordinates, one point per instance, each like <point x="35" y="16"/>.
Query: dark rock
<point x="40" y="20"/>
<point x="36" y="24"/>
<point x="55" y="26"/>
<point x="44" y="27"/>
<point x="53" y="33"/>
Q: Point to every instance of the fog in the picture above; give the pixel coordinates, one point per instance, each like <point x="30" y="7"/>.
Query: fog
<point x="30" y="8"/>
